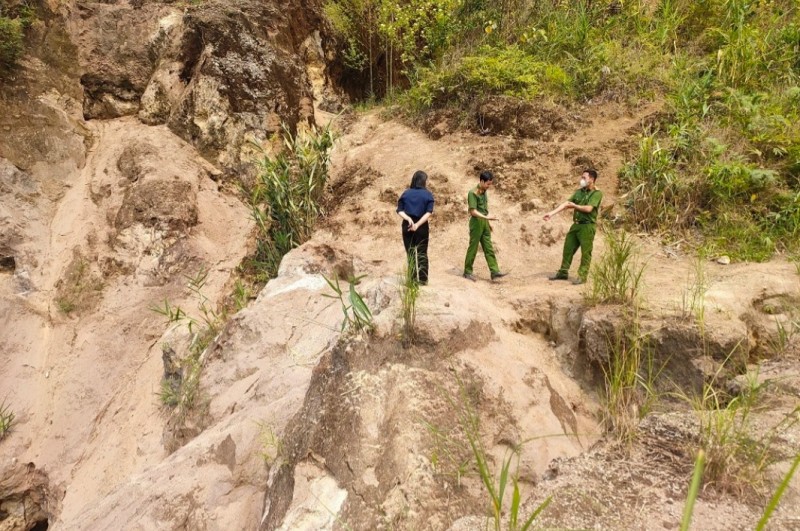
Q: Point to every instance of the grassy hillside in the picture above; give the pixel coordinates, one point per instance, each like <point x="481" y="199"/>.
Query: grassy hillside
<point x="721" y="166"/>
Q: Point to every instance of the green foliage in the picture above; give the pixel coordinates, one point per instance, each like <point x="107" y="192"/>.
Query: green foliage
<point x="777" y="495"/>
<point x="508" y="70"/>
<point x="182" y="393"/>
<point x="14" y="19"/>
<point x="241" y="295"/>
<point x="409" y="293"/>
<point x="724" y="164"/>
<point x="617" y="277"/>
<point x="629" y="380"/>
<point x="170" y="393"/>
<point x="11" y="45"/>
<point x="694" y="490"/>
<point x="356" y="313"/>
<point x="285" y="199"/>
<point x="736" y="458"/>
<point x="6" y="420"/>
<point x="769" y="509"/>
<point x="495" y="486"/>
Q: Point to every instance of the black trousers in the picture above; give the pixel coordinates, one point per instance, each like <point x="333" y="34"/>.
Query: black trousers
<point x="417" y="240"/>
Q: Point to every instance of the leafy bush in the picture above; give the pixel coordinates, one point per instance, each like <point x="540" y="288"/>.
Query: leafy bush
<point x="617" y="277"/>
<point x="10" y="42"/>
<point x="726" y="161"/>
<point x="508" y="70"/>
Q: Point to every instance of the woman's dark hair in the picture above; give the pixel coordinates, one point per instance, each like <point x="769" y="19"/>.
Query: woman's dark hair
<point x="419" y="179"/>
<point x="486" y="176"/>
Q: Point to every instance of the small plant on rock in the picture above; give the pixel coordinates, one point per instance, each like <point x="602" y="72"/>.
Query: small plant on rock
<point x="496" y="484"/>
<point x="355" y="311"/>
<point x="272" y="448"/>
<point x="6" y="420"/>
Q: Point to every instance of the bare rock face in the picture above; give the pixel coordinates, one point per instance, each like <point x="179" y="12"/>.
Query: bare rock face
<point x="171" y="204"/>
<point x="25" y="498"/>
<point x="219" y="75"/>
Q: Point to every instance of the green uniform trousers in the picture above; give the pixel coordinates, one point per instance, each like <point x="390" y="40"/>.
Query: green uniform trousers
<point x="479" y="233"/>
<point x="579" y="236"/>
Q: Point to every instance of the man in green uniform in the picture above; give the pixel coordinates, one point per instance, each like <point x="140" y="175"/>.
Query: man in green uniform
<point x="480" y="230"/>
<point x="585" y="203"/>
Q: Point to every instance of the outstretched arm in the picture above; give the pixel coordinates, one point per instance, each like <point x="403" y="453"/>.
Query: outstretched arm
<point x="563" y="206"/>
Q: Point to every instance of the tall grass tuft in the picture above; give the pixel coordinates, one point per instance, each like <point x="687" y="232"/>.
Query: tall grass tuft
<point x="736" y="458"/>
<point x="409" y="293"/>
<point x="693" y="300"/>
<point x="629" y="380"/>
<point x="6" y="420"/>
<point x="285" y="199"/>
<point x="617" y="277"/>
<point x="496" y="484"/>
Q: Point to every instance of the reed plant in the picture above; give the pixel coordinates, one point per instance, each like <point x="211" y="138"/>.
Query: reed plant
<point x="286" y="196"/>
<point x="617" y="277"/>
<point x="6" y="419"/>
<point x="409" y="293"/>
<point x="497" y="484"/>
<point x="629" y="377"/>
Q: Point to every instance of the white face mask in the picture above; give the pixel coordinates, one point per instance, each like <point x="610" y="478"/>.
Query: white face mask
<point x="584" y="183"/>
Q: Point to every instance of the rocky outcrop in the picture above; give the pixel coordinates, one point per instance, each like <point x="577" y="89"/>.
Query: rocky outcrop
<point x="219" y="75"/>
<point x="27" y="501"/>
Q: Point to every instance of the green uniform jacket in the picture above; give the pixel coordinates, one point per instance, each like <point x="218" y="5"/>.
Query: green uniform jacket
<point x="586" y="197"/>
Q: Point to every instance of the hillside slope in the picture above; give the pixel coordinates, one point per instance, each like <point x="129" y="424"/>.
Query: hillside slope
<point x="116" y="197"/>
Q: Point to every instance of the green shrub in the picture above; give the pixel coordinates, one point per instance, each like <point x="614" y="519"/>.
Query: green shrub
<point x="285" y="199"/>
<point x="11" y="34"/>
<point x="508" y="70"/>
<point x="617" y="277"/>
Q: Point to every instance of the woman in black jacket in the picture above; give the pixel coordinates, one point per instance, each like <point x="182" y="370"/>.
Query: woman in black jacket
<point x="415" y="206"/>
